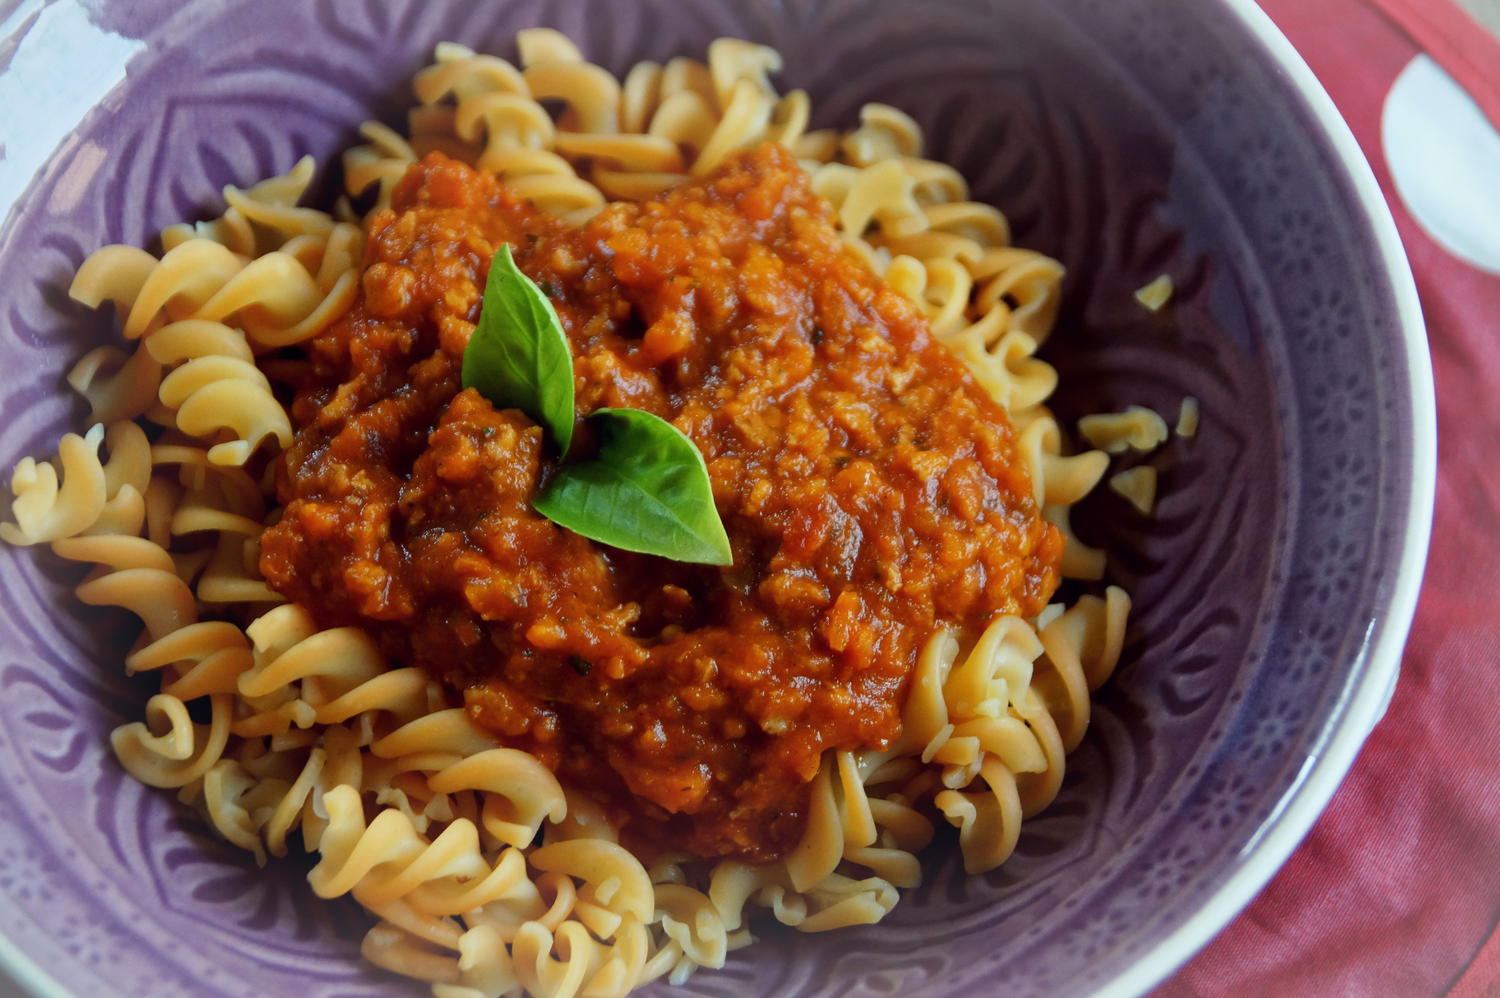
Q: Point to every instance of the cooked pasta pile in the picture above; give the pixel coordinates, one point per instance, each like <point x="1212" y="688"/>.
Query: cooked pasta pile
<point x="486" y="875"/>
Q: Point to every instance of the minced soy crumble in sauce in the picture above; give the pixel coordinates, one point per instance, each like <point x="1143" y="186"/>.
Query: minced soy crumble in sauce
<point x="869" y="487"/>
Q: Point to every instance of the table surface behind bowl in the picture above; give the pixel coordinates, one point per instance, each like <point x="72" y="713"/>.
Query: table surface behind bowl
<point x="1397" y="889"/>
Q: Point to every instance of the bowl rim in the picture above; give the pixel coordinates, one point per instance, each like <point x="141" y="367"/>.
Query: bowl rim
<point x="1364" y="705"/>
<point x="18" y="967"/>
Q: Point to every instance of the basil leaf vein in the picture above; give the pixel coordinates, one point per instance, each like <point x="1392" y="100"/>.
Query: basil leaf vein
<point x="647" y="490"/>
<point x="519" y="357"/>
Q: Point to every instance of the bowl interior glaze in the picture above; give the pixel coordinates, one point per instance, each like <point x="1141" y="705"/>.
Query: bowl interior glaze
<point x="1128" y="138"/>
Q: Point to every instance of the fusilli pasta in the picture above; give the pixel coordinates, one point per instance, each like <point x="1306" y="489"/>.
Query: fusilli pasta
<point x="488" y="877"/>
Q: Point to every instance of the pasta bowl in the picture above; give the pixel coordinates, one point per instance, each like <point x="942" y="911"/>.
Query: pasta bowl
<point x="1273" y="584"/>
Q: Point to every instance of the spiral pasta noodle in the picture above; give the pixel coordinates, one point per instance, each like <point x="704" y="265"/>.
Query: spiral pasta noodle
<point x="487" y="876"/>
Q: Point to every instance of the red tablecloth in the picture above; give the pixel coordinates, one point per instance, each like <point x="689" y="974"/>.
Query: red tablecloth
<point x="1397" y="889"/>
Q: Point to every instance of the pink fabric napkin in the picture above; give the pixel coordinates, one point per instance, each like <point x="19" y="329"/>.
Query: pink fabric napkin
<point x="1397" y="889"/>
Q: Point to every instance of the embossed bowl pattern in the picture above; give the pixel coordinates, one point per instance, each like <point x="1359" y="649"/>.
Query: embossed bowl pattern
<point x="1126" y="137"/>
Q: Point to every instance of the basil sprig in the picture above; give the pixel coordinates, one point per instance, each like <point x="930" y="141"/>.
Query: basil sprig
<point x="646" y="488"/>
<point x="518" y="357"/>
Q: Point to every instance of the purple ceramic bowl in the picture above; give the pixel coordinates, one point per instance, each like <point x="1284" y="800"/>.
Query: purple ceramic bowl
<point x="1126" y="137"/>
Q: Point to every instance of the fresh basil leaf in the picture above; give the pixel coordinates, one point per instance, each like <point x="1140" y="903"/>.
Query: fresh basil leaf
<point x="646" y="490"/>
<point x="519" y="357"/>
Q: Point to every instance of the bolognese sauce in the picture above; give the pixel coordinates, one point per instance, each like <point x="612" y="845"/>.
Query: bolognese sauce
<point x="870" y="489"/>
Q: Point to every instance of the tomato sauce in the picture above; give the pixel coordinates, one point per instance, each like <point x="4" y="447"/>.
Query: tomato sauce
<point x="870" y="489"/>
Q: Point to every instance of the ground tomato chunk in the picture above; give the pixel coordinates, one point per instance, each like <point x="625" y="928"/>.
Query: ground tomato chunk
<point x="870" y="489"/>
